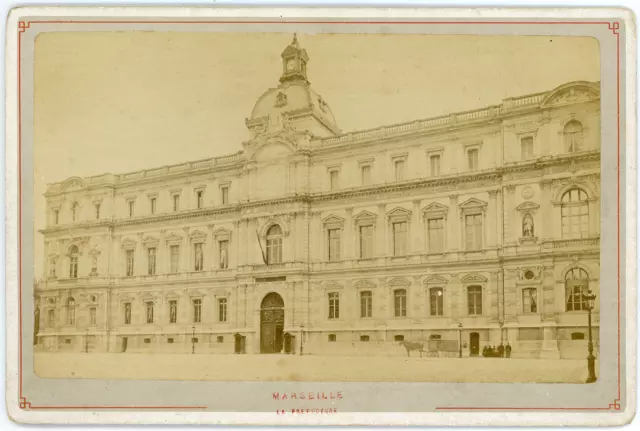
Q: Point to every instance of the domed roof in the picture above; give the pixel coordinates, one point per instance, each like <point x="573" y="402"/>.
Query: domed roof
<point x="288" y="98"/>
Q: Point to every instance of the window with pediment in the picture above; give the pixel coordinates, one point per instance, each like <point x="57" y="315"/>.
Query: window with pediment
<point x="399" y="222"/>
<point x="274" y="244"/>
<point x="365" y="225"/>
<point x="71" y="311"/>
<point x="74" y="253"/>
<point x="473" y="213"/>
<point x="435" y="216"/>
<point x="333" y="232"/>
<point x="366" y="303"/>
<point x="222" y="237"/>
<point x="334" y="305"/>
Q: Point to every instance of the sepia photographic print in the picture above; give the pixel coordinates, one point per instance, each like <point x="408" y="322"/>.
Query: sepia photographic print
<point x="300" y="219"/>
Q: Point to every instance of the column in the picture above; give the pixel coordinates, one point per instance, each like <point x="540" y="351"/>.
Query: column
<point x="453" y="298"/>
<point x="491" y="216"/>
<point x="381" y="231"/>
<point x="161" y="254"/>
<point x="499" y="235"/>
<point x="253" y="248"/>
<point x="511" y="223"/>
<point x="316" y="237"/>
<point x="348" y="236"/>
<point x="417" y="229"/>
<point x="545" y="222"/>
<point x="453" y="225"/>
<point x="139" y="263"/>
<point x="294" y="237"/>
<point x="494" y="290"/>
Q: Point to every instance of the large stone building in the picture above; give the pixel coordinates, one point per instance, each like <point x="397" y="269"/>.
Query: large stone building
<point x="480" y="226"/>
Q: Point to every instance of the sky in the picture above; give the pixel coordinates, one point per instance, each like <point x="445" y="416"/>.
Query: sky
<point x="123" y="101"/>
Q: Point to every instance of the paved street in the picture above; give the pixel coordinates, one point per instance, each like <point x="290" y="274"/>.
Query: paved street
<point x="306" y="368"/>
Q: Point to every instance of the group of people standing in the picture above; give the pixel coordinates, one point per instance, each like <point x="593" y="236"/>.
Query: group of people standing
<point x="497" y="352"/>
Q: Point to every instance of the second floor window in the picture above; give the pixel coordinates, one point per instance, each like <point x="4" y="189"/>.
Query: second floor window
<point x="199" y="199"/>
<point x="129" y="262"/>
<point x="400" y="238"/>
<point x="575" y="214"/>
<point x="365" y="175"/>
<point x="56" y="216"/>
<point x="435" y="165"/>
<point x="197" y="310"/>
<point x="97" y="211"/>
<point x="174" y="252"/>
<point x="152" y="205"/>
<point x="366" y="303"/>
<point x="151" y="261"/>
<point x="92" y="316"/>
<point x="51" y="318"/>
<point x="473" y="231"/>
<point x="474" y="300"/>
<point x="436" y="301"/>
<point x="333" y="179"/>
<point x="526" y="148"/>
<point x="74" y="212"/>
<point x="274" y="244"/>
<point x="334" y="244"/>
<point x="472" y="159"/>
<point x="149" y="312"/>
<point x="222" y="309"/>
<point x="132" y="206"/>
<point x="400" y="303"/>
<point x="366" y="242"/>
<point x="334" y="305"/>
<point x="224" y="254"/>
<point x="127" y="313"/>
<point x="73" y="262"/>
<point x="176" y="203"/>
<point x="399" y="170"/>
<point x="224" y="192"/>
<point x="71" y="311"/>
<point x="173" y="311"/>
<point x="436" y="235"/>
<point x="198" y="257"/>
<point x="530" y="300"/>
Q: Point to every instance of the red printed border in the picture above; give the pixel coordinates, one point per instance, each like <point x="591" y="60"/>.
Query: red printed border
<point x="613" y="26"/>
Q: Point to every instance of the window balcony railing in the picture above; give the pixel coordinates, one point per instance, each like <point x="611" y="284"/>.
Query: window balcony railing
<point x="577" y="243"/>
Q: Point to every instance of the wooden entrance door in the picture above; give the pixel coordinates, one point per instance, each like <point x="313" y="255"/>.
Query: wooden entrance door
<point x="474" y="344"/>
<point x="271" y="323"/>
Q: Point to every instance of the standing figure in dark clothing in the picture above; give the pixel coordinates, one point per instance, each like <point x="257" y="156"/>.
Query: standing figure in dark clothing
<point x="508" y="350"/>
<point x="501" y="351"/>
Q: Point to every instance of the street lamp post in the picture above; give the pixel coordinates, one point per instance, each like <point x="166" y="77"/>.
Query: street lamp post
<point x="301" y="329"/>
<point x="460" y="340"/>
<point x="590" y="298"/>
<point x="193" y="339"/>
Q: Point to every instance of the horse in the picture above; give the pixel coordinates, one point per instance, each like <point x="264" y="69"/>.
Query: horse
<point x="410" y="345"/>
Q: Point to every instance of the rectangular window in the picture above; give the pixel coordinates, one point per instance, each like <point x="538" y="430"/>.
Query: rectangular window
<point x="152" y="205"/>
<point x="151" y="261"/>
<point x="97" y="211"/>
<point x="132" y="205"/>
<point x="334" y="305"/>
<point x="472" y="159"/>
<point x="473" y="232"/>
<point x="198" y="257"/>
<point x="176" y="203"/>
<point x="436" y="235"/>
<point x="199" y="200"/>
<point x="224" y="191"/>
<point x="530" y="300"/>
<point x="56" y="216"/>
<point x="526" y="148"/>
<point x="366" y="242"/>
<point x="474" y="300"/>
<point x="92" y="316"/>
<point x="332" y="338"/>
<point x="127" y="313"/>
<point x="435" y="165"/>
<point x="436" y="301"/>
<point x="334" y="245"/>
<point x="365" y="175"/>
<point x="223" y="248"/>
<point x="173" y="311"/>
<point x="73" y="267"/>
<point x="364" y="338"/>
<point x="149" y="306"/>
<point x="197" y="310"/>
<point x="222" y="309"/>
<point x="129" y="262"/>
<point x="400" y="303"/>
<point x="399" y="169"/>
<point x="174" y="252"/>
<point x="366" y="303"/>
<point x="51" y="318"/>
<point x="333" y="179"/>
<point x="400" y="239"/>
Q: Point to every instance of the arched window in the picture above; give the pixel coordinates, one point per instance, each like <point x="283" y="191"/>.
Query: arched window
<point x="575" y="214"/>
<point x="436" y="301"/>
<point x="73" y="261"/>
<point x="71" y="311"/>
<point x="576" y="283"/>
<point x="573" y="136"/>
<point x="400" y="302"/>
<point x="274" y="244"/>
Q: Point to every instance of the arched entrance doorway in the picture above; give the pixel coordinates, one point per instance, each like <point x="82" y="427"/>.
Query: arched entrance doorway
<point x="271" y="323"/>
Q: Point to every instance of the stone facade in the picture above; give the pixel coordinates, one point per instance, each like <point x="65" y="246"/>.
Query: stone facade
<point x="475" y="226"/>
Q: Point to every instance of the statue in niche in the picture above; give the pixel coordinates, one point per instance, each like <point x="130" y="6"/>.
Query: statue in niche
<point x="527" y="226"/>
